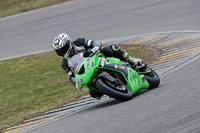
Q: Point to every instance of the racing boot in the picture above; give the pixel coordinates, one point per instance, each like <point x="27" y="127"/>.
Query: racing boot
<point x="131" y="60"/>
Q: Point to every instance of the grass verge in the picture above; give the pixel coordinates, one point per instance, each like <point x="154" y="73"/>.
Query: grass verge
<point x="10" y="7"/>
<point x="32" y="85"/>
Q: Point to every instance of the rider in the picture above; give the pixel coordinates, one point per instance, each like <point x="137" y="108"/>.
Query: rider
<point x="66" y="48"/>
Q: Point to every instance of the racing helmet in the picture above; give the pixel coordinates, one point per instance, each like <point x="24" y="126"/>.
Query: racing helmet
<point x="62" y="45"/>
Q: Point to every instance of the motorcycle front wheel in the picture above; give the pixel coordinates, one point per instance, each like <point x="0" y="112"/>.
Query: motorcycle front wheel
<point x="120" y="92"/>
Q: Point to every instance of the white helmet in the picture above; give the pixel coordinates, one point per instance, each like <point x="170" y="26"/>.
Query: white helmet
<point x="62" y="44"/>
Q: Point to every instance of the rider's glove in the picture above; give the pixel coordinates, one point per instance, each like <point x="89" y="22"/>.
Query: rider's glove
<point x="95" y="49"/>
<point x="138" y="62"/>
<point x="78" y="87"/>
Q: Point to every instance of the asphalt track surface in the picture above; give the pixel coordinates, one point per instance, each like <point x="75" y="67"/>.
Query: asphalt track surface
<point x="171" y="108"/>
<point x="33" y="31"/>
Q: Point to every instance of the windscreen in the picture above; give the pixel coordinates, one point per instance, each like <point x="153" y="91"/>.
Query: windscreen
<point x="76" y="61"/>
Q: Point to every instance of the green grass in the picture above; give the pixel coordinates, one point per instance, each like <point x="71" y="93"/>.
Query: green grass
<point x="33" y="84"/>
<point x="10" y="7"/>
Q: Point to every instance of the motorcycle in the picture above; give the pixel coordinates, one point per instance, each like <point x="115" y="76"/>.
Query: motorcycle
<point x="111" y="76"/>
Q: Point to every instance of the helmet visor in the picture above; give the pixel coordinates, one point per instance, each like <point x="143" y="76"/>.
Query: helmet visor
<point x="62" y="51"/>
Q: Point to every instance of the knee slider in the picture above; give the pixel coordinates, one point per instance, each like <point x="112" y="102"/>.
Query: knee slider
<point x="115" y="48"/>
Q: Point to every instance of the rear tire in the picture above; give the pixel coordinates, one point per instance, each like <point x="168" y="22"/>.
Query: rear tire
<point x="123" y="95"/>
<point x="153" y="79"/>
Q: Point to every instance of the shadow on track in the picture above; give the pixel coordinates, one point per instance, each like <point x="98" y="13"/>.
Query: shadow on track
<point x="113" y="102"/>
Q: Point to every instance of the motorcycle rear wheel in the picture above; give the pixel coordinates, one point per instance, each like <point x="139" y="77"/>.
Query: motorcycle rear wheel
<point x="152" y="78"/>
<point x="121" y="92"/>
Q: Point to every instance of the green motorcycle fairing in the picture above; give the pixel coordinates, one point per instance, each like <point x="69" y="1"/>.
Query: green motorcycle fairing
<point x="87" y="69"/>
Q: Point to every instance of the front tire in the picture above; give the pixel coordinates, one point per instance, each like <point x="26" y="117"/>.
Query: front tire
<point x="121" y="92"/>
